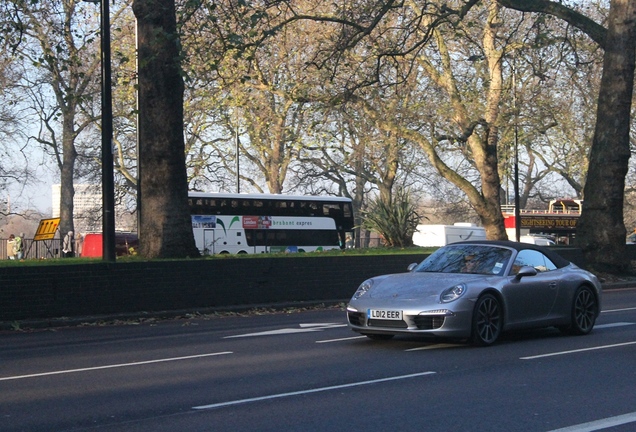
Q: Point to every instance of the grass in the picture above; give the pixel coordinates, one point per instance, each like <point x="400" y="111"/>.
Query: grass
<point x="331" y="253"/>
<point x="135" y="258"/>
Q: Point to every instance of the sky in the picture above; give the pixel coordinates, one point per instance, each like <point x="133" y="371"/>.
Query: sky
<point x="36" y="195"/>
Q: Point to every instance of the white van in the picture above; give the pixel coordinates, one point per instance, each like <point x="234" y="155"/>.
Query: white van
<point x="540" y="241"/>
<point x="441" y="235"/>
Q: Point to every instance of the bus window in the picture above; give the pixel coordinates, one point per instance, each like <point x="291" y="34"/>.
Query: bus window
<point x="348" y="211"/>
<point x="332" y="210"/>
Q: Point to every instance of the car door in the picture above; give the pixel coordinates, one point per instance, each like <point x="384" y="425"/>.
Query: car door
<point x="531" y="298"/>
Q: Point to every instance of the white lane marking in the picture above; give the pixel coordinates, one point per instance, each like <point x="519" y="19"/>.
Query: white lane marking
<point x="600" y="424"/>
<point x="303" y="392"/>
<point x="612" y="290"/>
<point x="436" y="346"/>
<point x="618" y="324"/>
<point x="341" y="339"/>
<point x="68" y="371"/>
<point x="304" y="328"/>
<point x="322" y="325"/>
<point x="577" y="351"/>
<point x="619" y="310"/>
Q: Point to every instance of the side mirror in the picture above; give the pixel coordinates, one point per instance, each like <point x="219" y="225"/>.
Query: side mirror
<point x="411" y="266"/>
<point x="525" y="271"/>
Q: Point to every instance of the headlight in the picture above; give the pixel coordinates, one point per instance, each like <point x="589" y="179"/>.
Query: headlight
<point x="452" y="293"/>
<point x="363" y="288"/>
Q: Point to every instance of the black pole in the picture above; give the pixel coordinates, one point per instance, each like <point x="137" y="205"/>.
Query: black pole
<point x="517" y="200"/>
<point x="238" y="168"/>
<point x="516" y="181"/>
<point x="108" y="181"/>
<point x="139" y="220"/>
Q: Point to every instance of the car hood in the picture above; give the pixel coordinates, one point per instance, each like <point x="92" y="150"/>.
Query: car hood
<point x="415" y="285"/>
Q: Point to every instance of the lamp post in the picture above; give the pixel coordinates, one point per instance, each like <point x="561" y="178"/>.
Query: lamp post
<point x="516" y="174"/>
<point x="108" y="181"/>
<point x="237" y="142"/>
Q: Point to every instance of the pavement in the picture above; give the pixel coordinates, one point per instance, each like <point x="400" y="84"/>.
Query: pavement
<point x="609" y="281"/>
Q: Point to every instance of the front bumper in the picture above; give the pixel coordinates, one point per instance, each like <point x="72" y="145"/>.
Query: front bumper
<point x="439" y="322"/>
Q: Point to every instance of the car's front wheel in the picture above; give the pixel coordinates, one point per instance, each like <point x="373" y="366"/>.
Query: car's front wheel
<point x="487" y="320"/>
<point x="584" y="311"/>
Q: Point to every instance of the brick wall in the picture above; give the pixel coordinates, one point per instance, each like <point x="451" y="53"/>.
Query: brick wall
<point x="34" y="292"/>
<point x="53" y="291"/>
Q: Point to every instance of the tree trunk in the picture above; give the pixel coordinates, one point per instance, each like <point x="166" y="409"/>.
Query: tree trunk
<point x="601" y="230"/>
<point x="67" y="173"/>
<point x="488" y="206"/>
<point x="165" y="227"/>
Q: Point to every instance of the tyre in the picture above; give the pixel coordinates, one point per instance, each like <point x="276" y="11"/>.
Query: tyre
<point x="487" y="320"/>
<point x="379" y="337"/>
<point x="584" y="311"/>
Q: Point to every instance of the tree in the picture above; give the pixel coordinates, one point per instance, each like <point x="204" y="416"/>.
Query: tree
<point x="551" y="113"/>
<point x="395" y="218"/>
<point x="601" y="230"/>
<point x="470" y="121"/>
<point x="12" y="163"/>
<point x="383" y="45"/>
<point x="348" y="151"/>
<point x="55" y="42"/>
<point x="165" y="223"/>
<point x="259" y="104"/>
<point x="124" y="91"/>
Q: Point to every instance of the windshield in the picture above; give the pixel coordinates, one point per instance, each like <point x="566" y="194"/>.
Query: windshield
<point x="474" y="259"/>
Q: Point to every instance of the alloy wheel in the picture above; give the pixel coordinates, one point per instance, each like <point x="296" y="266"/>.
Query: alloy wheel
<point x="487" y="320"/>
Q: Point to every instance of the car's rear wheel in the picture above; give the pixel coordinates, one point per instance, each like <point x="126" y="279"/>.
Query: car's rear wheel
<point x="379" y="336"/>
<point x="584" y="311"/>
<point x="487" y="320"/>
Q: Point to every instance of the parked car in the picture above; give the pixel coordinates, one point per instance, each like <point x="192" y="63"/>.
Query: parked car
<point x="477" y="290"/>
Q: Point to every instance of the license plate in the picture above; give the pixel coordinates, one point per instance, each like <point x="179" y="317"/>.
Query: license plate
<point x="385" y="314"/>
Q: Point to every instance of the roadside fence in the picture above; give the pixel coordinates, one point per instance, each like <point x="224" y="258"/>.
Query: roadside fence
<point x="35" y="249"/>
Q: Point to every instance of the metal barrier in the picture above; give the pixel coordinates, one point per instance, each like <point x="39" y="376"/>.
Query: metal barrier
<point x="42" y="249"/>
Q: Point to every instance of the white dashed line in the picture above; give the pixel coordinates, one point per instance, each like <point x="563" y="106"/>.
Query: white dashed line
<point x="600" y="424"/>
<point x="68" y="371"/>
<point x="341" y="339"/>
<point x="436" y="346"/>
<point x="577" y="351"/>
<point x="612" y="325"/>
<point x="303" y="392"/>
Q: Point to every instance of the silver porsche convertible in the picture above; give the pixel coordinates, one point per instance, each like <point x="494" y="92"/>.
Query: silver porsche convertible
<point x="476" y="291"/>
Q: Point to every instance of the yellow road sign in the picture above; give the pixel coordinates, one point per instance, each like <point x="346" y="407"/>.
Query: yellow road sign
<point x="46" y="229"/>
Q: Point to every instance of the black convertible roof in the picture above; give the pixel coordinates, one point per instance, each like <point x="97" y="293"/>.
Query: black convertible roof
<point x="557" y="259"/>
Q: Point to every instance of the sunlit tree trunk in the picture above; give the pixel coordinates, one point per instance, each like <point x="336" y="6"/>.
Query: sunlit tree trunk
<point x="601" y="230"/>
<point x="67" y="173"/>
<point x="165" y="223"/>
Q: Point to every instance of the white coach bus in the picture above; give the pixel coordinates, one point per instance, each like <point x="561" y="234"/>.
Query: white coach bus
<point x="260" y="223"/>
